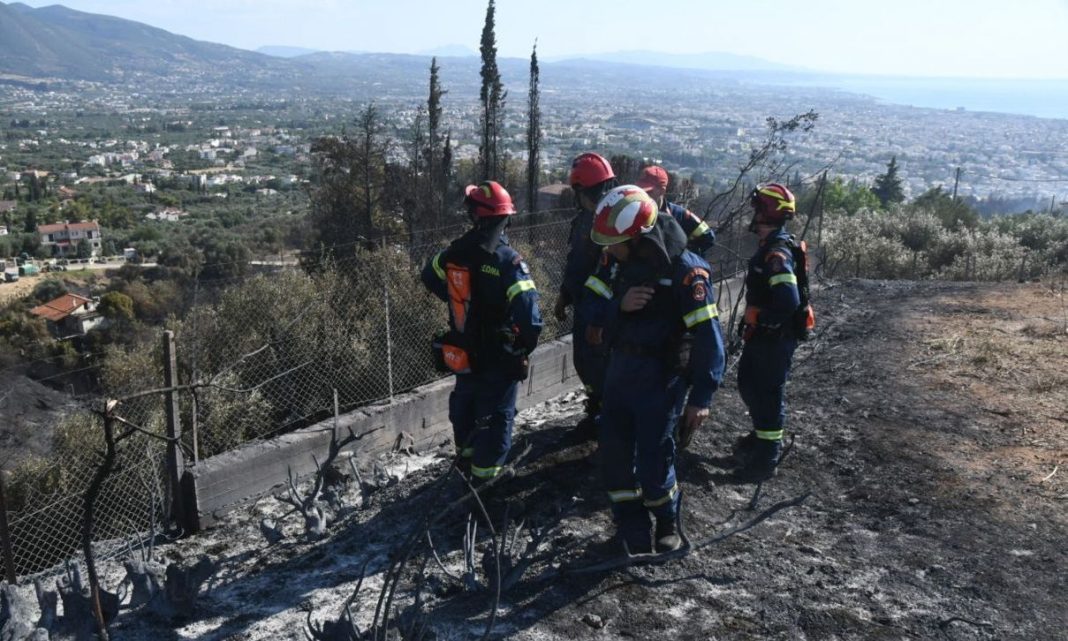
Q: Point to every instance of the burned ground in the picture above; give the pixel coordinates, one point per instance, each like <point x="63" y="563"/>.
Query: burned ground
<point x="928" y="502"/>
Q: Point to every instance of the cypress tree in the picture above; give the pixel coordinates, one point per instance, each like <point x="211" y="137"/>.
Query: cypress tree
<point x="533" y="133"/>
<point x="888" y="186"/>
<point x="492" y="96"/>
<point x="437" y="174"/>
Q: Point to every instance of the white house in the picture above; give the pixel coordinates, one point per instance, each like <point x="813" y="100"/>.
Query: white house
<point x="63" y="238"/>
<point x="69" y="314"/>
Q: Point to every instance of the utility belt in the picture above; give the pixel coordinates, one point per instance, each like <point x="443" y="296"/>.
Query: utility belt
<point x="674" y="354"/>
<point x="767" y="332"/>
<point x="750" y="328"/>
<point x="451" y="353"/>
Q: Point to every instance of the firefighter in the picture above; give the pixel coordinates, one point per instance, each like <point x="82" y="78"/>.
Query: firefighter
<point x="665" y="354"/>
<point x="699" y="236"/>
<point x="494" y="323"/>
<point x="591" y="177"/>
<point x="771" y="302"/>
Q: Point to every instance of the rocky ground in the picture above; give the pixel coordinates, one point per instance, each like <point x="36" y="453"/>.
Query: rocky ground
<point x="925" y="497"/>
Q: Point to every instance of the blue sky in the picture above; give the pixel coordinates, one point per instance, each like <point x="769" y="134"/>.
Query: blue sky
<point x="964" y="38"/>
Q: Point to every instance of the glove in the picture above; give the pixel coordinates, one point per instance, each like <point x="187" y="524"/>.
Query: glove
<point x="594" y="335"/>
<point x="749" y="323"/>
<point x="688" y="424"/>
<point x="560" y="309"/>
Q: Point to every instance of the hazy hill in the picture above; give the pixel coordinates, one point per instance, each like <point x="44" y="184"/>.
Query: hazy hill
<point x="711" y="60"/>
<point x="55" y="41"/>
<point x="282" y="51"/>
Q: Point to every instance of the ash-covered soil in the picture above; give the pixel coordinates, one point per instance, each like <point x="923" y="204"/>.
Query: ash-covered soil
<point x="925" y="497"/>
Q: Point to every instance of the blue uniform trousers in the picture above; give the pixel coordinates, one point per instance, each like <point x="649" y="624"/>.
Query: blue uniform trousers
<point x="590" y="361"/>
<point x="482" y="412"/>
<point x="642" y="405"/>
<point x="762" y="374"/>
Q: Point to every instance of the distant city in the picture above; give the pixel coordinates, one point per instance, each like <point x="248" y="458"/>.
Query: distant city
<point x="83" y="97"/>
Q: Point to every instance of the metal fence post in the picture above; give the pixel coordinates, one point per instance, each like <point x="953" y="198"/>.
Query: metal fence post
<point x="5" y="537"/>
<point x="389" y="344"/>
<point x="175" y="460"/>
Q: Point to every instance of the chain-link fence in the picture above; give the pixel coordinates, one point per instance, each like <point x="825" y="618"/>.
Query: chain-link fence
<point x="275" y="346"/>
<point x="43" y="496"/>
<point x="258" y="356"/>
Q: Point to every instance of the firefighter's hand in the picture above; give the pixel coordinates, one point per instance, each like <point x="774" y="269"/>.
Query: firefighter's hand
<point x="594" y="335"/>
<point x="636" y="298"/>
<point x="691" y="420"/>
<point x="560" y="310"/>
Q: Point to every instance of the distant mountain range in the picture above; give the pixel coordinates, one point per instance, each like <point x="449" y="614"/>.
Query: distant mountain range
<point x="57" y="42"/>
<point x="709" y="61"/>
<point x="42" y="46"/>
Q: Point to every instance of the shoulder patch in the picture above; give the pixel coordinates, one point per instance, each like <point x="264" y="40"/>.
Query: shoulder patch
<point x="696" y="272"/>
<point x="776" y="260"/>
<point x="699" y="291"/>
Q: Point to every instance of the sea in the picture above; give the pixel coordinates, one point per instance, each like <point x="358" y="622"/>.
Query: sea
<point x="1042" y="98"/>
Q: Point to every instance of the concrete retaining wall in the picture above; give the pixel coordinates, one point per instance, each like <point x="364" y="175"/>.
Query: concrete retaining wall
<point x="419" y="418"/>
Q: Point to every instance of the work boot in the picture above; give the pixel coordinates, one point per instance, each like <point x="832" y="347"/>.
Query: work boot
<point x="761" y="462"/>
<point x="667" y="535"/>
<point x="744" y="446"/>
<point x="637" y="541"/>
<point x="586" y="429"/>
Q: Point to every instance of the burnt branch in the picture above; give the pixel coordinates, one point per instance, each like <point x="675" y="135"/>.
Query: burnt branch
<point x="344" y="628"/>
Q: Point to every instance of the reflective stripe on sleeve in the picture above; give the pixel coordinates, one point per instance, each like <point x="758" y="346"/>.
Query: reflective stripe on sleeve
<point x="769" y="435"/>
<point x="779" y="279"/>
<point x="598" y="286"/>
<point x="518" y="287"/>
<point x="700" y="230"/>
<point x="701" y="314"/>
<point x="618" y="496"/>
<point x="437" y="266"/>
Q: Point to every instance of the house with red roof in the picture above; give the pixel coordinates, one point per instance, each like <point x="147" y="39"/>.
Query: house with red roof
<point x="69" y="315"/>
<point x="63" y="238"/>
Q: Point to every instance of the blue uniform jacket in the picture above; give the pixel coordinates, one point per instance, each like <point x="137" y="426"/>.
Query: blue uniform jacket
<point x="684" y="302"/>
<point x="699" y="236"/>
<point x="503" y="290"/>
<point x="582" y="258"/>
<point x="771" y="284"/>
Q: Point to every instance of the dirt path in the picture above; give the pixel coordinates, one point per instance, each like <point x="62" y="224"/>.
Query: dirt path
<point x="21" y="287"/>
<point x="931" y="455"/>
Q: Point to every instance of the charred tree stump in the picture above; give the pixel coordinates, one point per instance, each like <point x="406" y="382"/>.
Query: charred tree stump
<point x="146" y="578"/>
<point x="79" y="619"/>
<point x="16" y="614"/>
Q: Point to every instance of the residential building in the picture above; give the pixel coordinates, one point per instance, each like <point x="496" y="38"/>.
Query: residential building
<point x="69" y="315"/>
<point x="63" y="238"/>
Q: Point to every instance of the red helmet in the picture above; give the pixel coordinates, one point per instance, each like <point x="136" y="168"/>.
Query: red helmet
<point x="590" y="170"/>
<point x="625" y="212"/>
<point x="773" y="204"/>
<point x="488" y="199"/>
